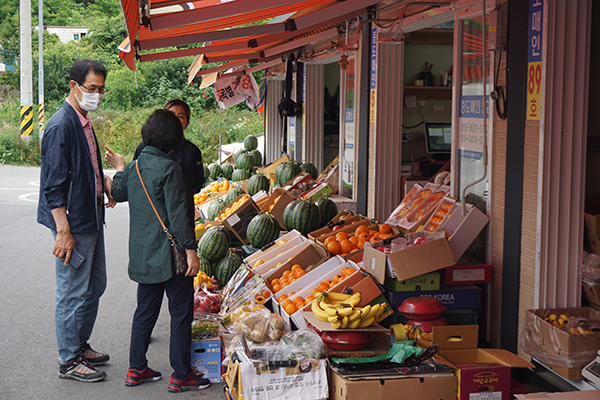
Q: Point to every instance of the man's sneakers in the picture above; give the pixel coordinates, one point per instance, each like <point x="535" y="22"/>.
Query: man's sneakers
<point x="136" y="377"/>
<point x="92" y="356"/>
<point x="81" y="370"/>
<point x="190" y="382"/>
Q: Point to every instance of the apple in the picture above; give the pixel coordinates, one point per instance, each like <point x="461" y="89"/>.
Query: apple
<point x="335" y="228"/>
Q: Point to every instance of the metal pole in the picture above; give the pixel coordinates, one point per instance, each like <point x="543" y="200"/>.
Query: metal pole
<point x="41" y="67"/>
<point x="26" y="87"/>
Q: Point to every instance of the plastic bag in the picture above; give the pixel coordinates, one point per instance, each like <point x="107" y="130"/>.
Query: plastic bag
<point x="205" y="326"/>
<point x="589" y="265"/>
<point x="206" y="302"/>
<point x="260" y="326"/>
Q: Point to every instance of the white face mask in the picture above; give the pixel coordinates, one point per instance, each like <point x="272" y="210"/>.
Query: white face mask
<point x="89" y="101"/>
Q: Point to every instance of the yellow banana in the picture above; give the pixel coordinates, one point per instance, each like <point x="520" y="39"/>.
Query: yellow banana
<point x="365" y="311"/>
<point x="339" y="297"/>
<point x="410" y="332"/>
<point x="373" y="312"/>
<point x="382" y="309"/>
<point x="336" y="324"/>
<point x="354" y="300"/>
<point x="333" y="318"/>
<point x="318" y="311"/>
<point x="354" y="316"/>
<point x="354" y="324"/>
<point x="330" y="310"/>
<point x="344" y="311"/>
<point x="426" y="335"/>
<point x="422" y="342"/>
<point x="366" y="322"/>
<point x="344" y="322"/>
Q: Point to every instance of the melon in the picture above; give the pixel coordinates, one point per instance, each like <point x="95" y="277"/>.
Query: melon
<point x="262" y="230"/>
<point x="257" y="183"/>
<point x="240" y="175"/>
<point x="250" y="143"/>
<point x="213" y="245"/>
<point x="328" y="210"/>
<point x="227" y="170"/>
<point x="310" y="169"/>
<point x="227" y="267"/>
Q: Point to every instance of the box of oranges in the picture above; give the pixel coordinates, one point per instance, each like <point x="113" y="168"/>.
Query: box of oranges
<point x="308" y="258"/>
<point x="350" y="241"/>
<point x="341" y="222"/>
<point x="273" y="261"/>
<point x="276" y="203"/>
<point x="237" y="215"/>
<point x="283" y="243"/>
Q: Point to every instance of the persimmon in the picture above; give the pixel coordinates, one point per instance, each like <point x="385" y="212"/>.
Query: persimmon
<point x="361" y="244"/>
<point x="314" y="292"/>
<point x="298" y="299"/>
<point x="290" y="308"/>
<point x="361" y="229"/>
<point x="385" y="228"/>
<point x="286" y="274"/>
<point x="345" y="271"/>
<point x="286" y="302"/>
<point x="333" y="247"/>
<point x="340" y="236"/>
<point x="276" y="288"/>
<point x="323" y="287"/>
<point x="295" y="268"/>
<point x="346" y="246"/>
<point x="328" y="282"/>
<point x="329" y="240"/>
<point x="281" y="298"/>
<point x="354" y="241"/>
<point x="308" y="299"/>
<point x="299" y="273"/>
<point x="275" y="282"/>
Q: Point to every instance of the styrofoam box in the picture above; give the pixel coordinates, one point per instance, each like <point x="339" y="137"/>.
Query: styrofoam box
<point x="270" y="265"/>
<point x="291" y="238"/>
<point x="331" y="270"/>
<point x="261" y="195"/>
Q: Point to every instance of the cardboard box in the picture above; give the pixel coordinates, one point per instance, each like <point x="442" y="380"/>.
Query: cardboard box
<point x="298" y="183"/>
<point x="345" y="225"/>
<point x="430" y="281"/>
<point x="591" y="218"/>
<point x="237" y="222"/>
<point x="580" y="395"/>
<point x="206" y="358"/>
<point x="464" y="273"/>
<point x="421" y="388"/>
<point x="283" y="198"/>
<point x="317" y="192"/>
<point x="592" y="293"/>
<point x="482" y="373"/>
<point x="269" y="170"/>
<point x="558" y="349"/>
<point x="281" y="257"/>
<point x="454" y="297"/>
<point x="306" y="380"/>
<point x="410" y="262"/>
<point x="284" y="242"/>
<point x="463" y="229"/>
<point x="309" y="258"/>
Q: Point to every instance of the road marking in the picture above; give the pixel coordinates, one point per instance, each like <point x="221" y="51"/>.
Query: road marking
<point x="24" y="197"/>
<point x="15" y="188"/>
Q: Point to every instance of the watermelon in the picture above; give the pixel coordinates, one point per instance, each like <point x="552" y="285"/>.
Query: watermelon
<point x="328" y="210"/>
<point x="215" y="170"/>
<point x="262" y="230"/>
<point x="239" y="153"/>
<point x="287" y="214"/>
<point x="227" y="170"/>
<point x="227" y="267"/>
<point x="245" y="161"/>
<point x="207" y="182"/>
<point x="213" y="244"/>
<point x="257" y="183"/>
<point x="215" y="207"/>
<point x="305" y="217"/>
<point x="250" y="143"/>
<point x="310" y="169"/>
<point x="288" y="171"/>
<point x="257" y="157"/>
<point x="234" y="194"/>
<point x="205" y="266"/>
<point x="206" y="172"/>
<point x="240" y="175"/>
<point x="254" y="171"/>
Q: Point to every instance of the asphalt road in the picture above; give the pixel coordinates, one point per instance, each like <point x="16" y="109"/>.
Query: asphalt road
<point x="28" y="355"/>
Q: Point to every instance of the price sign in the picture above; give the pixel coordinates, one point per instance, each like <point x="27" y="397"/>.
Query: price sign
<point x="534" y="59"/>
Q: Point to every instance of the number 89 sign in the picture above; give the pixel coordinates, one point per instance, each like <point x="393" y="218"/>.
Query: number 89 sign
<point x="534" y="82"/>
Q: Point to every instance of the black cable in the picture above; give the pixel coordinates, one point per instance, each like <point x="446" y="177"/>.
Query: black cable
<point x="419" y="124"/>
<point x="498" y="93"/>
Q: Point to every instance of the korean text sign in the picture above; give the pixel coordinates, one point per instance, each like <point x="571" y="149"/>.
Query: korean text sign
<point x="534" y="59"/>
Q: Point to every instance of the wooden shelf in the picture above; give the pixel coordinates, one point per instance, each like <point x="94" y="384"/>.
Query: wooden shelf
<point x="429" y="92"/>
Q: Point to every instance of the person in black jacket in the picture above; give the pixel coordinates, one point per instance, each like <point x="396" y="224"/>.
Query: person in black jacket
<point x="188" y="156"/>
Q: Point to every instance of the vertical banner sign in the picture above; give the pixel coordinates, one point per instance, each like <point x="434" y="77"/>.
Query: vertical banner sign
<point x="471" y="132"/>
<point x="534" y="59"/>
<point x="373" y="71"/>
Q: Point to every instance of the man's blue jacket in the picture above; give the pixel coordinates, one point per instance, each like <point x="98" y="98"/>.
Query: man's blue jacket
<point x="67" y="174"/>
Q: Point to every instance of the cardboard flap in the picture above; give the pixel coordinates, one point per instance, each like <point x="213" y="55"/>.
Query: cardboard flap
<point x="455" y="337"/>
<point x="372" y="258"/>
<point x="507" y="358"/>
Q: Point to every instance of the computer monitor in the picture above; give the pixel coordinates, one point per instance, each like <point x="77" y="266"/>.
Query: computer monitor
<point x="438" y="137"/>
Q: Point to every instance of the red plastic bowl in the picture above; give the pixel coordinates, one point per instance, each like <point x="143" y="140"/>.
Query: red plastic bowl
<point x="422" y="308"/>
<point x="345" y="340"/>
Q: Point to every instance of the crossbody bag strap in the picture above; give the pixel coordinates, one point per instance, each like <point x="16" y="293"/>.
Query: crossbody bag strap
<point x="151" y="203"/>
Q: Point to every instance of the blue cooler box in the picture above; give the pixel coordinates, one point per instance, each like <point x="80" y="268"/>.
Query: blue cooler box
<point x="206" y="358"/>
<point x="454" y="297"/>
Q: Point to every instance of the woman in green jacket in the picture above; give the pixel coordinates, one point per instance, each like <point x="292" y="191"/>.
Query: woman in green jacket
<point x="150" y="253"/>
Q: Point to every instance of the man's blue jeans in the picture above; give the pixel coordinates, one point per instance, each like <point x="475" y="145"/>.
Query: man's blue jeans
<point x="78" y="294"/>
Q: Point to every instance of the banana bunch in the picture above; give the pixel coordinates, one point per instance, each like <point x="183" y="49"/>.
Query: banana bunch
<point x="421" y="337"/>
<point x="559" y="321"/>
<point x="339" y="310"/>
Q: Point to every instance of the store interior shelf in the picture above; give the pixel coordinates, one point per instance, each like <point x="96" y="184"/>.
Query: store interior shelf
<point x="429" y="92"/>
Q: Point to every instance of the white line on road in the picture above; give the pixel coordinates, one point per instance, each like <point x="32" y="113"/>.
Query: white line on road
<point x="25" y="197"/>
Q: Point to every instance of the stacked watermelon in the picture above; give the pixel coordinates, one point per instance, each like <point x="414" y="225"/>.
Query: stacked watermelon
<point x="227" y="266"/>
<point x="310" y="169"/>
<point x="262" y="230"/>
<point x="215" y="170"/>
<point x="205" y="266"/>
<point x="215" y="207"/>
<point x="328" y="210"/>
<point x="213" y="245"/>
<point x="303" y="216"/>
<point x="246" y="159"/>
<point x="227" y="170"/>
<point x="240" y="175"/>
<point x="233" y="194"/>
<point x="257" y="183"/>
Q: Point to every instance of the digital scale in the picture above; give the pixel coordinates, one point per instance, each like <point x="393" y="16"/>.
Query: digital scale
<point x="592" y="371"/>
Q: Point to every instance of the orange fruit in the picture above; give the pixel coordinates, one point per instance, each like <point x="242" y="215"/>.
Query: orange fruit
<point x="291" y="294"/>
<point x="346" y="246"/>
<point x="283" y="281"/>
<point x="361" y="244"/>
<point x="323" y="287"/>
<point x="276" y="287"/>
<point x="334" y="247"/>
<point x="299" y="273"/>
<point x="300" y="304"/>
<point x="292" y="279"/>
<point x="286" y="274"/>
<point x="385" y="228"/>
<point x="354" y="241"/>
<point x="290" y="308"/>
<point x="361" y="229"/>
<point x="297" y="299"/>
<point x="308" y="299"/>
<point x="329" y="240"/>
<point x="286" y="302"/>
<point x="341" y="236"/>
<point x="296" y="267"/>
<point x="344" y="271"/>
<point x="363" y="237"/>
<point x="281" y="298"/>
<point x="313" y="293"/>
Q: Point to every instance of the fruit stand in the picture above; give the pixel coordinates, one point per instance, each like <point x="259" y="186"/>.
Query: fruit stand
<point x="301" y="295"/>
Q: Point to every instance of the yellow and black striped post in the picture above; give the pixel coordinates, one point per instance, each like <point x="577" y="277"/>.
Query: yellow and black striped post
<point x="26" y="120"/>
<point x="41" y="117"/>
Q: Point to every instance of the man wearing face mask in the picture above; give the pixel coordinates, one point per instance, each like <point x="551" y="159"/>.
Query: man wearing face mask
<point x="71" y="204"/>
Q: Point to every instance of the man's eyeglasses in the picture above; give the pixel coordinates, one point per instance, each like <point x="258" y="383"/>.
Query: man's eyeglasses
<point x="100" y="90"/>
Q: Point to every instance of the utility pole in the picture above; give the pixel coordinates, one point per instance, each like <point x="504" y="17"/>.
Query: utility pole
<point x="26" y="78"/>
<point x="41" y="68"/>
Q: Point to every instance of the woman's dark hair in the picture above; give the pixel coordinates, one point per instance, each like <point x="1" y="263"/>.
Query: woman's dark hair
<point x="163" y="131"/>
<point x="179" y="103"/>
<point x="82" y="68"/>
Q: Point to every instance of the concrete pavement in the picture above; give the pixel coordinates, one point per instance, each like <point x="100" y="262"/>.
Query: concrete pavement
<point x="28" y="355"/>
